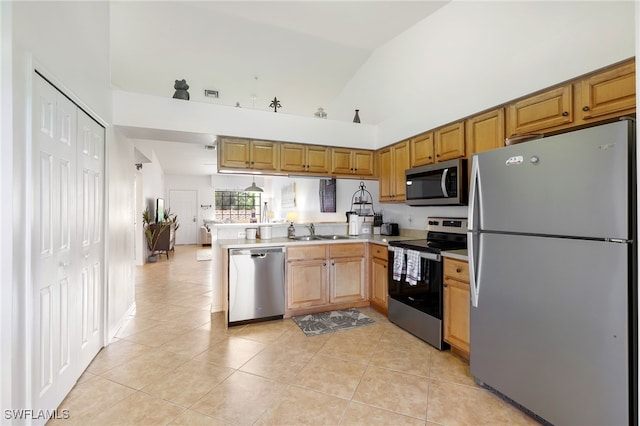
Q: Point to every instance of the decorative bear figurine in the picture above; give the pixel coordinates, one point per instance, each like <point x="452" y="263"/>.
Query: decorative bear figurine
<point x="181" y="87"/>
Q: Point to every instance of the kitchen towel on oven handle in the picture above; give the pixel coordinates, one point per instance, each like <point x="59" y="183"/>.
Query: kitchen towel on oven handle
<point x="413" y="267"/>
<point x="399" y="266"/>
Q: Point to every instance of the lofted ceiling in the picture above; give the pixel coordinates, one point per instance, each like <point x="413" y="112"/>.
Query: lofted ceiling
<point x="302" y="52"/>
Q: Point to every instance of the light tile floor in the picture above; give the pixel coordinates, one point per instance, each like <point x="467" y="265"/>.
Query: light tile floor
<point x="175" y="363"/>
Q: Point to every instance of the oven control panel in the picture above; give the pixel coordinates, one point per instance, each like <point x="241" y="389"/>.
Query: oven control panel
<point x="456" y="225"/>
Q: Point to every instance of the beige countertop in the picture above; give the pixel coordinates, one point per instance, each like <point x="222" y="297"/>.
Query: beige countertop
<point x="456" y="254"/>
<point x="281" y="241"/>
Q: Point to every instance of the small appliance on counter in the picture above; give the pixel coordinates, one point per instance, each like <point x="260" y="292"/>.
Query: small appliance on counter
<point x="389" y="229"/>
<point x="354" y="223"/>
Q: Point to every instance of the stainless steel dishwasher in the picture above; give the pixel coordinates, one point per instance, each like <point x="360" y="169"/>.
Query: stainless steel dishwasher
<point x="256" y="284"/>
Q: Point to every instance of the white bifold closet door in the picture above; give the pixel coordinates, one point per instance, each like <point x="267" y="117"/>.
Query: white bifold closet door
<point x="67" y="244"/>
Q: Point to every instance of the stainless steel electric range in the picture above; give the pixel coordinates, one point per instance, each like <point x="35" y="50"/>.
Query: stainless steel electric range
<point x="415" y="303"/>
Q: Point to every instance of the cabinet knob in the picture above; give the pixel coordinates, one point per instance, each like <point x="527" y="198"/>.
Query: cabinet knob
<point x="324" y="263"/>
<point x="585" y="108"/>
<point x="565" y="113"/>
<point x="429" y="157"/>
<point x="458" y="270"/>
<point x="445" y="286"/>
<point x="437" y="155"/>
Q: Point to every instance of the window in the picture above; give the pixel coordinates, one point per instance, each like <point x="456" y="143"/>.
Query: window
<point x="237" y="206"/>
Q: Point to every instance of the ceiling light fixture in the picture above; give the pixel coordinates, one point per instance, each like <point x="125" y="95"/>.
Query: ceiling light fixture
<point x="253" y="187"/>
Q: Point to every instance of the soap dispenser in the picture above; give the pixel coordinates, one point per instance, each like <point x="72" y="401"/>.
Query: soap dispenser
<point x="291" y="231"/>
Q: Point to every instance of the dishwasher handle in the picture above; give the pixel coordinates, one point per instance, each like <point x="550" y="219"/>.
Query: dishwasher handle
<point x="256" y="252"/>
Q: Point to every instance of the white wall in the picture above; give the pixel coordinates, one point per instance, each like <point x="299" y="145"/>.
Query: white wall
<point x="153" y="112"/>
<point x="69" y="42"/>
<point x="121" y="202"/>
<point x="471" y="56"/>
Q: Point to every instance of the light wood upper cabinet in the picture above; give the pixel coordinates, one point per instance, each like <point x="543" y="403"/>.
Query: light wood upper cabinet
<point x="422" y="150"/>
<point x="604" y="94"/>
<point x="238" y="153"/>
<point x="457" y="305"/>
<point x="608" y="92"/>
<point x="304" y="158"/>
<point x="363" y="162"/>
<point x="355" y="162"/>
<point x="392" y="163"/>
<point x="449" y="142"/>
<point x="234" y="153"/>
<point x="485" y="132"/>
<point x="547" y="110"/>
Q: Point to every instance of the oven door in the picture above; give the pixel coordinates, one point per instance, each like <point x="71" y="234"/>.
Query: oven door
<point x="426" y="295"/>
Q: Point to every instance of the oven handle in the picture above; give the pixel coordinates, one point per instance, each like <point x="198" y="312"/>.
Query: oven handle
<point x="425" y="255"/>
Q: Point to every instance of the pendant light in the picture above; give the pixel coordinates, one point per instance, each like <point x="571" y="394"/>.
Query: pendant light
<point x="253" y="187"/>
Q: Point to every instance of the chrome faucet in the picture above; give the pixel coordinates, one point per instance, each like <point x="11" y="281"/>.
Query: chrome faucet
<point x="312" y="229"/>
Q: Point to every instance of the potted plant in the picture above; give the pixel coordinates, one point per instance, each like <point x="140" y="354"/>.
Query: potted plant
<point x="172" y="219"/>
<point x="152" y="232"/>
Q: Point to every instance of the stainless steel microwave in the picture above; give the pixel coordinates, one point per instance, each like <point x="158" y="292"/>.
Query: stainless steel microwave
<point x="439" y="184"/>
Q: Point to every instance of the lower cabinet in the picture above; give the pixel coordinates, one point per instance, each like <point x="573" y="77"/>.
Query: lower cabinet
<point x="379" y="290"/>
<point x="325" y="276"/>
<point x="457" y="305"/>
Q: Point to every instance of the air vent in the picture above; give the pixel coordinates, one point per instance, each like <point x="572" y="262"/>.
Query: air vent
<point x="210" y="147"/>
<point x="211" y="93"/>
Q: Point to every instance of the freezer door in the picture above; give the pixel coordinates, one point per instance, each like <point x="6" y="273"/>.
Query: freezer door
<point x="550" y="327"/>
<point x="574" y="184"/>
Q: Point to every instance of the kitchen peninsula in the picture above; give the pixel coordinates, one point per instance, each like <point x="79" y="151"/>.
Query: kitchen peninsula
<point x="325" y="273"/>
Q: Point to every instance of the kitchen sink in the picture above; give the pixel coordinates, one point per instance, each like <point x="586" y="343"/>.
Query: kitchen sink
<point x="308" y="238"/>
<point x="320" y="237"/>
<point x="333" y="237"/>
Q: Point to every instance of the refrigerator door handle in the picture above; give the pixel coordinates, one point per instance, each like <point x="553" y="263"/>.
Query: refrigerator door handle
<point x="474" y="276"/>
<point x="443" y="183"/>
<point x="473" y="220"/>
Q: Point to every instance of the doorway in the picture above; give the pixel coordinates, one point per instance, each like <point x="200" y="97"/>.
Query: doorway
<point x="183" y="203"/>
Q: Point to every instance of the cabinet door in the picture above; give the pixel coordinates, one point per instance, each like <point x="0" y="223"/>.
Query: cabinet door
<point x="234" y="153"/>
<point x="341" y="161"/>
<point x="362" y="162"/>
<point x="307" y="284"/>
<point x="449" y="142"/>
<point x="422" y="150"/>
<point x="457" y="306"/>
<point x="609" y="92"/>
<point x="400" y="165"/>
<point x="379" y="284"/>
<point x="318" y="159"/>
<point x="485" y="132"/>
<point x="384" y="170"/>
<point x="292" y="157"/>
<point x="264" y="155"/>
<point x="347" y="279"/>
<point x="541" y="112"/>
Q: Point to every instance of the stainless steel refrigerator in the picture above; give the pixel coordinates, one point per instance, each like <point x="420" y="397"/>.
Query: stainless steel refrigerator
<point x="552" y="225"/>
